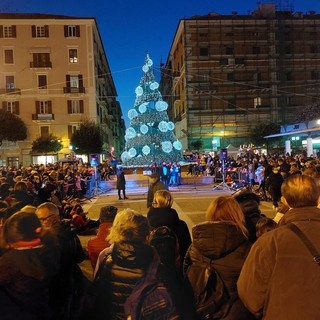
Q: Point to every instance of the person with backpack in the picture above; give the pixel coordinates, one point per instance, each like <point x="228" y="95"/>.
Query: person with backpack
<point x="214" y="260"/>
<point x="130" y="281"/>
<point x="162" y="214"/>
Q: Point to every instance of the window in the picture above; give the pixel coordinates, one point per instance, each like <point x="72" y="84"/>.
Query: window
<point x="11" y="106"/>
<point x="314" y="75"/>
<point x="313" y="48"/>
<point x="43" y="107"/>
<point x="44" y="110"/>
<point x="73" y="55"/>
<point x="42" y="81"/>
<point x="72" y="31"/>
<point x="40" y="31"/>
<point x="14" y="162"/>
<point x="41" y="60"/>
<point x="231" y="76"/>
<point x="229" y="50"/>
<point x="8" y="56"/>
<point x="74" y="84"/>
<point x="75" y="106"/>
<point x="289" y="76"/>
<point x="10" y="82"/>
<point x="44" y="131"/>
<point x="256" y="102"/>
<point x="71" y="130"/>
<point x="204" y="52"/>
<point x="74" y="81"/>
<point x="7" y="31"/>
<point x="255" y="50"/>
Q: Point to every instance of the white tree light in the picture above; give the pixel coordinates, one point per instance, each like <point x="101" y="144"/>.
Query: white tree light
<point x="130" y="133"/>
<point x="177" y="145"/>
<point x="143" y="108"/>
<point x="170" y="125"/>
<point x="161" y="106"/>
<point x="132" y="152"/>
<point x="166" y="146"/>
<point x="146" y="150"/>
<point x="125" y="156"/>
<point x="163" y="126"/>
<point x="132" y="113"/>
<point x="139" y="91"/>
<point x="144" y="128"/>
<point x="145" y="68"/>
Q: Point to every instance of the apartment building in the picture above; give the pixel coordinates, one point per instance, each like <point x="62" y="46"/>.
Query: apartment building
<point x="227" y="73"/>
<point x="54" y="73"/>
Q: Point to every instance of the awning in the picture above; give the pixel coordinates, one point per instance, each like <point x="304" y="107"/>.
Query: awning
<point x="303" y="132"/>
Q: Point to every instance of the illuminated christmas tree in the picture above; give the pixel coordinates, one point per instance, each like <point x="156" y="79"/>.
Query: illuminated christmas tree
<point x="150" y="137"/>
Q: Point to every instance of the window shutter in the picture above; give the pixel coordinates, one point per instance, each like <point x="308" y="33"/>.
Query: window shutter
<point x="4" y="105"/>
<point x="17" y="105"/>
<point x="1" y="31"/>
<point x="37" y="107"/>
<point x="80" y="81"/>
<point x="68" y="80"/>
<point x="14" y="31"/>
<point x="69" y="132"/>
<point x="78" y="31"/>
<point x="33" y="30"/>
<point x="81" y="106"/>
<point x="46" y="31"/>
<point x="65" y="31"/>
<point x="69" y="106"/>
<point x="50" y="107"/>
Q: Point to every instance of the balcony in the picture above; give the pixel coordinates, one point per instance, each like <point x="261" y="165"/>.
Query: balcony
<point x="10" y="91"/>
<point x="40" y="64"/>
<point x="43" y="117"/>
<point x="74" y="90"/>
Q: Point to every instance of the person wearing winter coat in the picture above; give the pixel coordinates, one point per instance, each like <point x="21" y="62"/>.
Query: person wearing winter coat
<point x="162" y="214"/>
<point x="274" y="186"/>
<point x="280" y="278"/>
<point x="27" y="267"/>
<point x="99" y="242"/>
<point x="155" y="185"/>
<point x="69" y="281"/>
<point x="121" y="184"/>
<point x="223" y="240"/>
<point x="124" y="265"/>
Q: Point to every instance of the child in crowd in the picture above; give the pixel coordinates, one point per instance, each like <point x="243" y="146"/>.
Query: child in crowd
<point x="99" y="242"/>
<point x="80" y="220"/>
<point x="265" y="225"/>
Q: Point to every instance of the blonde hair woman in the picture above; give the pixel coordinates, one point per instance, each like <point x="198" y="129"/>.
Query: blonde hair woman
<point x="162" y="199"/>
<point x="162" y="214"/>
<point x="227" y="209"/>
<point x="222" y="240"/>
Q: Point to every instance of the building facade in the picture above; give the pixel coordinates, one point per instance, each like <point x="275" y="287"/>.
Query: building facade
<point x="54" y="74"/>
<point x="227" y="73"/>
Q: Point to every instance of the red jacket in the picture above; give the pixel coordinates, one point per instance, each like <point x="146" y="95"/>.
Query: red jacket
<point x="99" y="242"/>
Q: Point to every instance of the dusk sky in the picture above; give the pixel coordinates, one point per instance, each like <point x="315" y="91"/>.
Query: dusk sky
<point x="131" y="27"/>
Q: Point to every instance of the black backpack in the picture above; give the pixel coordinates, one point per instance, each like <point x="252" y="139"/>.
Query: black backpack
<point x="150" y="298"/>
<point x="210" y="293"/>
<point x="165" y="241"/>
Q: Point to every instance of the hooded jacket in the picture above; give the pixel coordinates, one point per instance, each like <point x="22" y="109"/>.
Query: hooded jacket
<point x="227" y="248"/>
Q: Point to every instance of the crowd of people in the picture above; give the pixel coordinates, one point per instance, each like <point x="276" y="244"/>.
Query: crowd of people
<point x="237" y="264"/>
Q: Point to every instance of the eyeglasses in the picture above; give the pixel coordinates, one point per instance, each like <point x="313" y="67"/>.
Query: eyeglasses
<point x="46" y="218"/>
